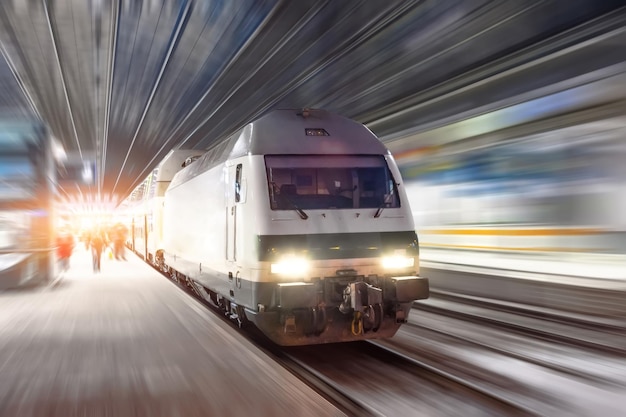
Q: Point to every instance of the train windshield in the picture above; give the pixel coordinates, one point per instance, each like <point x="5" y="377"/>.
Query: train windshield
<point x="330" y="182"/>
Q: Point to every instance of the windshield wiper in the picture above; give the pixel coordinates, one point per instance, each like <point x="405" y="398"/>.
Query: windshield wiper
<point x="387" y="199"/>
<point x="379" y="211"/>
<point x="301" y="212"/>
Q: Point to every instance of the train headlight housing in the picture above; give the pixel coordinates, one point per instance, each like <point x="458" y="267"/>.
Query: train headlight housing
<point x="398" y="262"/>
<point x="291" y="265"/>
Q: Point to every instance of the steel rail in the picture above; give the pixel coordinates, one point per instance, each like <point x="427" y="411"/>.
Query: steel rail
<point x="526" y="310"/>
<point x="515" y="355"/>
<point x="525" y="330"/>
<point x="459" y="380"/>
<point x="323" y="385"/>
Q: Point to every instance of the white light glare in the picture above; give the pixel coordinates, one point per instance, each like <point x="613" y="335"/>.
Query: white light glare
<point x="58" y="151"/>
<point x="397" y="262"/>
<point x="87" y="174"/>
<point x="291" y="265"/>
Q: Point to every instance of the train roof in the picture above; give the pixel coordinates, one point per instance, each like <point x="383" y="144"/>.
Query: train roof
<point x="173" y="162"/>
<point x="290" y="132"/>
<point x="306" y="131"/>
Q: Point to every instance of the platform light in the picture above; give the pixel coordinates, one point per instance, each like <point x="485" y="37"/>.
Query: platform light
<point x="58" y="151"/>
<point x="290" y="265"/>
<point x="87" y="174"/>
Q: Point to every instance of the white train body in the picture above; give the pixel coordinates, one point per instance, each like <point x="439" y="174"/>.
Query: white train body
<point x="144" y="216"/>
<point x="298" y="222"/>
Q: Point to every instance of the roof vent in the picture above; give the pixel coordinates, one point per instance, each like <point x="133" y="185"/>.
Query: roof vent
<point x="190" y="160"/>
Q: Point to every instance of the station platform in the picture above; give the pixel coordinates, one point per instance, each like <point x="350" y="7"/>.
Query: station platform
<point x="127" y="342"/>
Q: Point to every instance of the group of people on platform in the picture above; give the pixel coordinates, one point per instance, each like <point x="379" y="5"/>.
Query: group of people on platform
<point x="98" y="240"/>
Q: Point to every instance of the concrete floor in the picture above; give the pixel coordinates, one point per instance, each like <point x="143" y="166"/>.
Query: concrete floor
<point x="126" y="342"/>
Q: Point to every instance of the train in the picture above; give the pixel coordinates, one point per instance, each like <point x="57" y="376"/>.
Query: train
<point x="298" y="223"/>
<point x="142" y="211"/>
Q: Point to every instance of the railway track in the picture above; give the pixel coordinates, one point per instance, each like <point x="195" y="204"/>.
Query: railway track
<point x="414" y="375"/>
<point x="365" y="378"/>
<point x="328" y="378"/>
<point x="573" y="384"/>
<point x="606" y="335"/>
<point x="326" y="388"/>
<point x="539" y="364"/>
<point x="513" y="405"/>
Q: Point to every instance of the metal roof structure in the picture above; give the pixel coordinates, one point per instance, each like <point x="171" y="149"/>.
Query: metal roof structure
<point x="120" y="83"/>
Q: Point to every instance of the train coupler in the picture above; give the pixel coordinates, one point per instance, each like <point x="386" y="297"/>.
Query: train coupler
<point x="359" y="296"/>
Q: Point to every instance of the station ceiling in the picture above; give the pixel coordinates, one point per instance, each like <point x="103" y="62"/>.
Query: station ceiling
<point x="119" y="83"/>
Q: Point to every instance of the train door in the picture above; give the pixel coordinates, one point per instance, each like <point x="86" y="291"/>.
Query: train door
<point x="234" y="197"/>
<point x="145" y="237"/>
<point x="132" y="233"/>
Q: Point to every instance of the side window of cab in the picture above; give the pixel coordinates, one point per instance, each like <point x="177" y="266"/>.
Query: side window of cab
<point x="238" y="184"/>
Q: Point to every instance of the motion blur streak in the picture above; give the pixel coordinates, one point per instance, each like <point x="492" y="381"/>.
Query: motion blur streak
<point x="504" y="119"/>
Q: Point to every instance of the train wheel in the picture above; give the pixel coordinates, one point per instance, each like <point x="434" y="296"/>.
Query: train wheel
<point x="241" y="319"/>
<point x="224" y="305"/>
<point x="317" y="320"/>
<point x="320" y="322"/>
<point x="378" y="315"/>
<point x="191" y="286"/>
<point x="214" y="298"/>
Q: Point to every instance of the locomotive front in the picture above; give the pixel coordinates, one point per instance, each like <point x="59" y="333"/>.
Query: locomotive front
<point x="340" y="254"/>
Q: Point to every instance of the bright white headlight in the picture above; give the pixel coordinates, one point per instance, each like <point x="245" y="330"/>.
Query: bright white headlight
<point x="291" y="265"/>
<point x="397" y="262"/>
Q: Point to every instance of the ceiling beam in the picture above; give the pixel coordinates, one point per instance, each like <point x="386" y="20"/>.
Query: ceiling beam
<point x="180" y="24"/>
<point x="115" y="23"/>
<point x="59" y="66"/>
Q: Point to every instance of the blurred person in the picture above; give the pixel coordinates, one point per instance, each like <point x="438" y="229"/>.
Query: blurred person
<point x="97" y="244"/>
<point x="118" y="235"/>
<point x="65" y="246"/>
<point x="86" y="238"/>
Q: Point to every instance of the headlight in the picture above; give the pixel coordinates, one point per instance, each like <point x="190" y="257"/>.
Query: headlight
<point x="290" y="265"/>
<point x="397" y="262"/>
